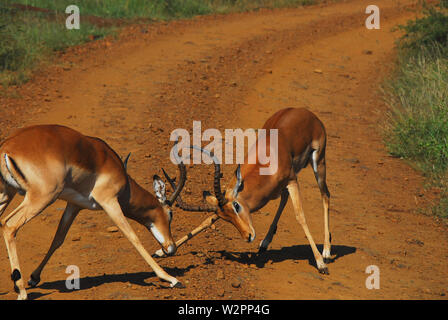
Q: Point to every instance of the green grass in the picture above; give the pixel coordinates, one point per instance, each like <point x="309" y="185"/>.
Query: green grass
<point x="126" y="9"/>
<point x="160" y="9"/>
<point x="417" y="126"/>
<point x="28" y="38"/>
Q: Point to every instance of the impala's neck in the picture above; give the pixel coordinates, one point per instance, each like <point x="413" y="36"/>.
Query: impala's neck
<point x="140" y="204"/>
<point x="259" y="189"/>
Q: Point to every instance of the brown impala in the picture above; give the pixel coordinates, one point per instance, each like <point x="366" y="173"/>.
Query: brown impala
<point x="301" y="141"/>
<point x="49" y="162"/>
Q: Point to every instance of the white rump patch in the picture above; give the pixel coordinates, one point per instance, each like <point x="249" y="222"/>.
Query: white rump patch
<point x="314" y="157"/>
<point x="9" y="178"/>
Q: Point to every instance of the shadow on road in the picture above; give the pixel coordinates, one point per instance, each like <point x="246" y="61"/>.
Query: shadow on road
<point x="296" y="252"/>
<point x="137" y="278"/>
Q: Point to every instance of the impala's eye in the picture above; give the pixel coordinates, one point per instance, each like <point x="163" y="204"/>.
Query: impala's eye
<point x="236" y="207"/>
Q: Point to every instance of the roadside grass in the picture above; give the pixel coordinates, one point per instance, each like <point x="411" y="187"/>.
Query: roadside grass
<point x="30" y="37"/>
<point x="160" y="9"/>
<point x="417" y="96"/>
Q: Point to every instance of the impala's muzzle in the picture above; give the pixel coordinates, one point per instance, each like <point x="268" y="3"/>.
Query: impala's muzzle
<point x="246" y="230"/>
<point x="169" y="250"/>
<point x="166" y="241"/>
<point x="251" y="237"/>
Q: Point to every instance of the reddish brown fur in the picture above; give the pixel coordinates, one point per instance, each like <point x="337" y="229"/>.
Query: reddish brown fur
<point x="85" y="157"/>
<point x="299" y="132"/>
<point x="49" y="162"/>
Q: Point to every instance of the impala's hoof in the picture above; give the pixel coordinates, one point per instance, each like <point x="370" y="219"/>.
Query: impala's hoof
<point x="33" y="281"/>
<point x="179" y="285"/>
<point x="22" y="296"/>
<point x="324" y="271"/>
<point x="262" y="250"/>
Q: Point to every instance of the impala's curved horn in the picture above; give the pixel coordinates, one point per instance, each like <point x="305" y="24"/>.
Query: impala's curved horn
<point x="187" y="207"/>
<point x="178" y="189"/>
<point x="182" y="176"/>
<point x="125" y="162"/>
<point x="217" y="178"/>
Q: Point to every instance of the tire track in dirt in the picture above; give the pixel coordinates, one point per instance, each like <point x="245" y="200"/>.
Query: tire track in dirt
<point x="222" y="70"/>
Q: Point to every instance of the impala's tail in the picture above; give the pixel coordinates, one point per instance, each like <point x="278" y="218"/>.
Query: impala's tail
<point x="7" y="191"/>
<point x="11" y="173"/>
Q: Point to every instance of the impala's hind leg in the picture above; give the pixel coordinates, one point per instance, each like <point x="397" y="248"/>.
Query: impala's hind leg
<point x="70" y="213"/>
<point x="319" y="169"/>
<point x="293" y="188"/>
<point x="31" y="206"/>
<point x="7" y="193"/>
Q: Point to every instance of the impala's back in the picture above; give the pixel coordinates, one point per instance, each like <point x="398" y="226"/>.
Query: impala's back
<point x="65" y="160"/>
<point x="301" y="135"/>
<point x="49" y="162"/>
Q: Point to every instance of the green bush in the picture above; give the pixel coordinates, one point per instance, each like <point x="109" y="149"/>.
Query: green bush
<point x="427" y="30"/>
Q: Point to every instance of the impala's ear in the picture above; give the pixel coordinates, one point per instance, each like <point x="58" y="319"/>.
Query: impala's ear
<point x="159" y="189"/>
<point x="239" y="185"/>
<point x="209" y="198"/>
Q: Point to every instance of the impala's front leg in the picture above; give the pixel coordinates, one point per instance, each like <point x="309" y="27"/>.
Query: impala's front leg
<point x="113" y="209"/>
<point x="204" y="225"/>
<point x="273" y="228"/>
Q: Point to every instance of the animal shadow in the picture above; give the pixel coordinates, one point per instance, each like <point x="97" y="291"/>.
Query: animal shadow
<point x="296" y="252"/>
<point x="137" y="278"/>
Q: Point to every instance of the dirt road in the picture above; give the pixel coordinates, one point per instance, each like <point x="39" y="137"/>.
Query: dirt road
<point x="233" y="72"/>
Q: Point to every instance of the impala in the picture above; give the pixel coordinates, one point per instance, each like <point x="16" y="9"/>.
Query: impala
<point x="49" y="162"/>
<point x="301" y="141"/>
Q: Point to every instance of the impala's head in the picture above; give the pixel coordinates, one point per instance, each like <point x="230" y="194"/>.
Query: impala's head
<point x="228" y="206"/>
<point x="231" y="207"/>
<point x="160" y="225"/>
<point x="157" y="217"/>
<point x="153" y="212"/>
<point x="162" y="216"/>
